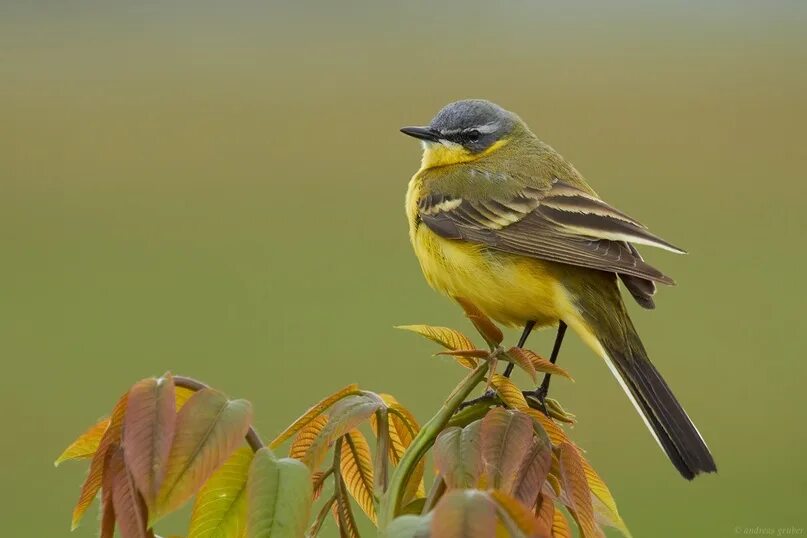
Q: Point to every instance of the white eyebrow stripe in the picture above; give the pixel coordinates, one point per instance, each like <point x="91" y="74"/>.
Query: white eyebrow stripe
<point x="487" y="128"/>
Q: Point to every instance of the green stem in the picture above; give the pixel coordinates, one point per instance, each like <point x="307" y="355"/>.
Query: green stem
<point x="391" y="500"/>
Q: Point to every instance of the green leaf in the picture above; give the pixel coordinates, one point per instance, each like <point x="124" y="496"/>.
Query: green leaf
<point x="347" y="414"/>
<point x="458" y="455"/>
<point x="506" y="437"/>
<point x="410" y="526"/>
<point x="209" y="428"/>
<point x="220" y="509"/>
<point x="148" y="429"/>
<point x="279" y="497"/>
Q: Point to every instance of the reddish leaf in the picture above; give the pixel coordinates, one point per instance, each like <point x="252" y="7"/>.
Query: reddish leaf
<point x="130" y="510"/>
<point x="86" y="444"/>
<point x="472" y="353"/>
<point x="208" y="429"/>
<point x="464" y="513"/>
<point x="555" y="432"/>
<point x="545" y="514"/>
<point x="107" y="505"/>
<point x="575" y="485"/>
<point x="458" y="455"/>
<point x="506" y="437"/>
<point x="532" y="472"/>
<point x="92" y="483"/>
<point x="489" y="331"/>
<point x="148" y="429"/>
<point x="544" y="365"/>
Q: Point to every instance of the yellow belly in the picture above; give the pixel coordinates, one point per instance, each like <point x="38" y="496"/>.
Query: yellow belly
<point x="510" y="289"/>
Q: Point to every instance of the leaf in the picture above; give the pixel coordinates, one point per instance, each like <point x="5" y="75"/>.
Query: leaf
<point x="86" y="444"/>
<point x="317" y="482"/>
<point x="278" y="497"/>
<point x="345" y="415"/>
<point x="560" y="527"/>
<point x="92" y="483"/>
<point x="410" y="526"/>
<point x="515" y="514"/>
<point x="471" y="353"/>
<point x="532" y="472"/>
<point x="522" y="360"/>
<point x="182" y="395"/>
<point x="545" y="514"/>
<point x="403" y="429"/>
<point x="605" y="510"/>
<point x="555" y="432"/>
<point x="208" y="429"/>
<point x="107" y="506"/>
<point x="544" y="365"/>
<point x="575" y="485"/>
<point x="342" y="510"/>
<point x="509" y="393"/>
<point x="505" y="438"/>
<point x="464" y="513"/>
<point x="356" y="465"/>
<point x="489" y="331"/>
<point x="312" y="413"/>
<point x="450" y="339"/>
<point x="130" y="509"/>
<point x="557" y="412"/>
<point x="220" y="509"/>
<point x="305" y="437"/>
<point x="458" y="455"/>
<point x="148" y="429"/>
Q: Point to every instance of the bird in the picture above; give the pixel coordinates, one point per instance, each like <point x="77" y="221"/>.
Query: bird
<point x="500" y="219"/>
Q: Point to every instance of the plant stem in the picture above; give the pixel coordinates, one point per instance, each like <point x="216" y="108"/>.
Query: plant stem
<point x="391" y="500"/>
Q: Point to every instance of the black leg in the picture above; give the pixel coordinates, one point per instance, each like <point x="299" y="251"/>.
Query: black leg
<point x="541" y="392"/>
<point x="521" y="341"/>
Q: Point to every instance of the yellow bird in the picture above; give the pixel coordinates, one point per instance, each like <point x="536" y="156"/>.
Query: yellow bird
<point x="499" y="218"/>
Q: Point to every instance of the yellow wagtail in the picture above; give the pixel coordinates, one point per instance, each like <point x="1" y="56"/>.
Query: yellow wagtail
<point x="499" y="218"/>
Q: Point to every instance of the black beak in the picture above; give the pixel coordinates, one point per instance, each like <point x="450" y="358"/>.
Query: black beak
<point x="422" y="133"/>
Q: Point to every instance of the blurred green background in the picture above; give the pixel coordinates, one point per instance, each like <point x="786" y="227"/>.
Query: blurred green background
<point x="217" y="189"/>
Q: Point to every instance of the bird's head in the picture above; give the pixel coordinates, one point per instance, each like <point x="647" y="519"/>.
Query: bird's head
<point x="465" y="131"/>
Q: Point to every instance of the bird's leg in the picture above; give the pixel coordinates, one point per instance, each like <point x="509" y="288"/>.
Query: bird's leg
<point x="521" y="341"/>
<point x="489" y="393"/>
<point x="543" y="389"/>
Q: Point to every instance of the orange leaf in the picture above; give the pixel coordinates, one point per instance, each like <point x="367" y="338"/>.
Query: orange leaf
<point x="306" y="437"/>
<point x="472" y="353"/>
<point x="130" y="510"/>
<point x="356" y="465"/>
<point x="148" y="429"/>
<point x="107" y="505"/>
<point x="560" y="527"/>
<point x="450" y="339"/>
<point x="312" y="413"/>
<point x="208" y="429"/>
<point x="182" y="395"/>
<point x="544" y="365"/>
<point x="505" y="438"/>
<point x="516" y="514"/>
<point x="464" y="513"/>
<point x="509" y="393"/>
<point x="605" y="510"/>
<point x="574" y="483"/>
<point x="92" y="483"/>
<point x="86" y="444"/>
<point x="489" y="331"/>
<point x="545" y="514"/>
<point x="522" y="360"/>
<point x="403" y="429"/>
<point x="553" y="431"/>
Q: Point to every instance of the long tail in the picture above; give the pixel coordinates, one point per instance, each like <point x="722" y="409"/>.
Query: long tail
<point x="626" y="357"/>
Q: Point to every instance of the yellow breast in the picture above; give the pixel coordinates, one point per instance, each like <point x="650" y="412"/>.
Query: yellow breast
<point x="510" y="289"/>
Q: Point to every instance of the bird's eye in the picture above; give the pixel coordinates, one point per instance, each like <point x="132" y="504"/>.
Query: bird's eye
<point x="473" y="135"/>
